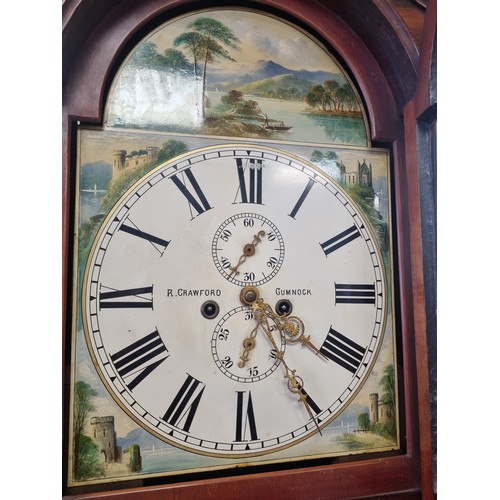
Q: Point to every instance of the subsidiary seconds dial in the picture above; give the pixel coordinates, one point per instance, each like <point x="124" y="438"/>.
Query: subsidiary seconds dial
<point x="248" y="248"/>
<point x="236" y="339"/>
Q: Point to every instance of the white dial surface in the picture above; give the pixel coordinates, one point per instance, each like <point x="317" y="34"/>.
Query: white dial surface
<point x="165" y="323"/>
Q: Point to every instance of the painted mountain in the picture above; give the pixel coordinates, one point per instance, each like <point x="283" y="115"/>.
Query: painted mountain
<point x="267" y="74"/>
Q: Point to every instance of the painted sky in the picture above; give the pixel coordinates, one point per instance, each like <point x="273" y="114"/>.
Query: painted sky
<point x="261" y="37"/>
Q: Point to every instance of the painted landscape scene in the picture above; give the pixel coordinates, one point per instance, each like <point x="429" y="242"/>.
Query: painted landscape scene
<point x="240" y="74"/>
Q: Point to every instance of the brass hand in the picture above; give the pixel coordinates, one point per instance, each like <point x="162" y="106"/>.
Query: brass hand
<point x="248" y="251"/>
<point x="262" y="313"/>
<point x="291" y="327"/>
<point x="248" y="345"/>
<point x="248" y="295"/>
<point x="292" y="331"/>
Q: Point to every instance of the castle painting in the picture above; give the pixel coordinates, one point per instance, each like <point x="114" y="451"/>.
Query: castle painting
<point x="116" y="461"/>
<point x="123" y="161"/>
<point x="103" y="433"/>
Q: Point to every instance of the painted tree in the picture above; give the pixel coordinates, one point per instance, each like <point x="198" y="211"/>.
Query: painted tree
<point x="85" y="451"/>
<point x="388" y="384"/>
<point x="347" y="98"/>
<point x="364" y="421"/>
<point x="332" y="96"/>
<point x="169" y="150"/>
<point x="318" y="97"/>
<point x="329" y="162"/>
<point x="234" y="103"/>
<point x="206" y="43"/>
<point x="192" y="42"/>
<point x="146" y="56"/>
<point x="175" y="60"/>
<point x="331" y="87"/>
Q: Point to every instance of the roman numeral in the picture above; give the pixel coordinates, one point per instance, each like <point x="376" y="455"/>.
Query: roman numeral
<point x="183" y="408"/>
<point x="140" y="358"/>
<point x="197" y="200"/>
<point x="245" y="417"/>
<point x="303" y="196"/>
<point x="342" y="350"/>
<point x="340" y="240"/>
<point x="136" y="298"/>
<point x="354" y="294"/>
<point x="251" y="191"/>
<point x="158" y="243"/>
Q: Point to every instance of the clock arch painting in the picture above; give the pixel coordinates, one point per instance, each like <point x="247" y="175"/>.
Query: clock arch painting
<point x="275" y="95"/>
<point x="259" y="78"/>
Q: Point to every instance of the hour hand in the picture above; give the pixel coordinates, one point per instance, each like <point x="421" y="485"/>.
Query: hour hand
<point x="292" y="331"/>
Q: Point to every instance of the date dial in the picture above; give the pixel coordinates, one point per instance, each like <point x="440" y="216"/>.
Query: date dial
<point x="247" y="249"/>
<point x="236" y="336"/>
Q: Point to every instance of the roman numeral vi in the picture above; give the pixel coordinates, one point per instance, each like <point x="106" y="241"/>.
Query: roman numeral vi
<point x="245" y="417"/>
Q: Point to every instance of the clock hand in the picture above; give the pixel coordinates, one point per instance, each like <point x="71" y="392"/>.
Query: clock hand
<point x="295" y="383"/>
<point x="292" y="331"/>
<point x="291" y="327"/>
<point x="248" y="345"/>
<point x="248" y="251"/>
<point x="296" y="386"/>
<point x="250" y="296"/>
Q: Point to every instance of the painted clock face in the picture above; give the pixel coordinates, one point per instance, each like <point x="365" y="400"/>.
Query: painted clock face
<point x="234" y="301"/>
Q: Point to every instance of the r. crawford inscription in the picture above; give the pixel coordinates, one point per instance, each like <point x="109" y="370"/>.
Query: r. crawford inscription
<point x="194" y="292"/>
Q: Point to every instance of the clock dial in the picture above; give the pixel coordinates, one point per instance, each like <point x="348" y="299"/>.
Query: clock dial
<point x="243" y="262"/>
<point x="168" y="331"/>
<point x="238" y="349"/>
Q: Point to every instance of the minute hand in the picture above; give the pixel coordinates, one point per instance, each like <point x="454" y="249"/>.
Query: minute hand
<point x="295" y="383"/>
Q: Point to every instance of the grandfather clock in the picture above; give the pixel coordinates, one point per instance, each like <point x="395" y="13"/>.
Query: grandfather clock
<point x="247" y="313"/>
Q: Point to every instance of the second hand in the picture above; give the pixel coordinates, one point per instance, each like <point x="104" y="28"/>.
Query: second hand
<point x="248" y="251"/>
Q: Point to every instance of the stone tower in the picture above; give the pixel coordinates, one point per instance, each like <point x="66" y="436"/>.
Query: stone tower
<point x="373" y="408"/>
<point x="152" y="153"/>
<point x="118" y="162"/>
<point x="104" y="435"/>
